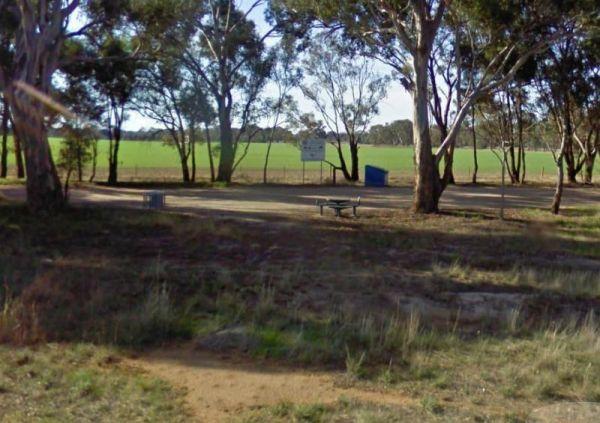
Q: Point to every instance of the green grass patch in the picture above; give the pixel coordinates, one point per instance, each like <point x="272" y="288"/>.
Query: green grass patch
<point x="80" y="383"/>
<point x="156" y="154"/>
<point x="345" y="410"/>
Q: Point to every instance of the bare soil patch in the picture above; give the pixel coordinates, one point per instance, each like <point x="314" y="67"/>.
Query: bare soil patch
<point x="262" y="202"/>
<point x="220" y="387"/>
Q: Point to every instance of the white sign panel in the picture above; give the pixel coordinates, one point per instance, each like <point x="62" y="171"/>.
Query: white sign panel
<point x="313" y="150"/>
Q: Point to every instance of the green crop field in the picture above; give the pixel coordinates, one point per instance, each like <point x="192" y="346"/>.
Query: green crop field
<point x="146" y="155"/>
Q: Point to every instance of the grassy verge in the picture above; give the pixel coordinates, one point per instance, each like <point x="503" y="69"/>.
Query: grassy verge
<point x="344" y="410"/>
<point x="324" y="293"/>
<point x="79" y="383"/>
<point x="11" y="181"/>
<point x="481" y="379"/>
<point x="493" y="375"/>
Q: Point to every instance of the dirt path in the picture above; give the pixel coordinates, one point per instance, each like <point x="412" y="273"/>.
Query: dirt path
<point x="220" y="388"/>
<point x="263" y="202"/>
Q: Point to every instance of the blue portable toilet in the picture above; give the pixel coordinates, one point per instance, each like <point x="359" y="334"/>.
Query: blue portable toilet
<point x="376" y="176"/>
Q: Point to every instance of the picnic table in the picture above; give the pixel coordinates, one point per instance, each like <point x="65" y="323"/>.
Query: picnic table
<point x="338" y="205"/>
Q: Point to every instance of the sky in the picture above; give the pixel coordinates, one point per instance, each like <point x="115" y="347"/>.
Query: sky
<point x="396" y="105"/>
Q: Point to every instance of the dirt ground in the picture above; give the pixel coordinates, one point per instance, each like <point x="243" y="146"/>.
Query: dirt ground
<point x="263" y="202"/>
<point x="220" y="387"/>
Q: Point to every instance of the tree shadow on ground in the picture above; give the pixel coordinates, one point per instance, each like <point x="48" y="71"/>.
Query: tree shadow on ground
<point x="88" y="269"/>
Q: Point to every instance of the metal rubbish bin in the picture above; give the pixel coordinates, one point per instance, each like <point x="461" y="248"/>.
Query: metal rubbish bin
<point x="376" y="177"/>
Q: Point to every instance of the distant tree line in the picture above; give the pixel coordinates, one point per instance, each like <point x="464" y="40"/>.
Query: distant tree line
<point x="397" y="133"/>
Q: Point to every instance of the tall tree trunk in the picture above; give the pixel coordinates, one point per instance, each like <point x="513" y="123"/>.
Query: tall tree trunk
<point x="354" y="175"/>
<point x="37" y="44"/>
<point x="474" y="135"/>
<point x="114" y="131"/>
<point x="448" y="174"/>
<point x="571" y="165"/>
<point x="184" y="152"/>
<point x="427" y="181"/>
<point x="113" y="160"/>
<point x="589" y="170"/>
<point x="503" y="187"/>
<point x="211" y="161"/>
<point x="514" y="174"/>
<point x="192" y="130"/>
<point x="79" y="165"/>
<point x="268" y="154"/>
<point x="513" y="170"/>
<point x="227" y="156"/>
<point x="183" y="158"/>
<point x="18" y="153"/>
<point x="593" y="143"/>
<point x="568" y="154"/>
<point x="556" y="201"/>
<point x="185" y="171"/>
<point x="94" y="159"/>
<point x="343" y="166"/>
<point x="44" y="190"/>
<point x="449" y="166"/>
<point x="67" y="182"/>
<point x="560" y="177"/>
<point x="521" y="143"/>
<point x="523" y="165"/>
<point x="4" y="152"/>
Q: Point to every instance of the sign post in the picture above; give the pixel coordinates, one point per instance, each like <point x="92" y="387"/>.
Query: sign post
<point x="303" y="171"/>
<point x="321" y="180"/>
<point x="313" y="150"/>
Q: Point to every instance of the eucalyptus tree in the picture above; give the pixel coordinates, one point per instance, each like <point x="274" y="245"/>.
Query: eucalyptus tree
<point x="586" y="116"/>
<point x="226" y="51"/>
<point x="566" y="83"/>
<point x="8" y="26"/>
<point x="402" y="34"/>
<point x="39" y="34"/>
<point x="4" y="145"/>
<point x="281" y="106"/>
<point x="41" y="29"/>
<point x="76" y="151"/>
<point x="562" y="88"/>
<point x="81" y="137"/>
<point x="445" y="69"/>
<point x="585" y="110"/>
<point x="516" y="96"/>
<point x="115" y="80"/>
<point x="199" y="114"/>
<point x="587" y="134"/>
<point x="346" y="91"/>
<point x="506" y="116"/>
<point x="167" y="95"/>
